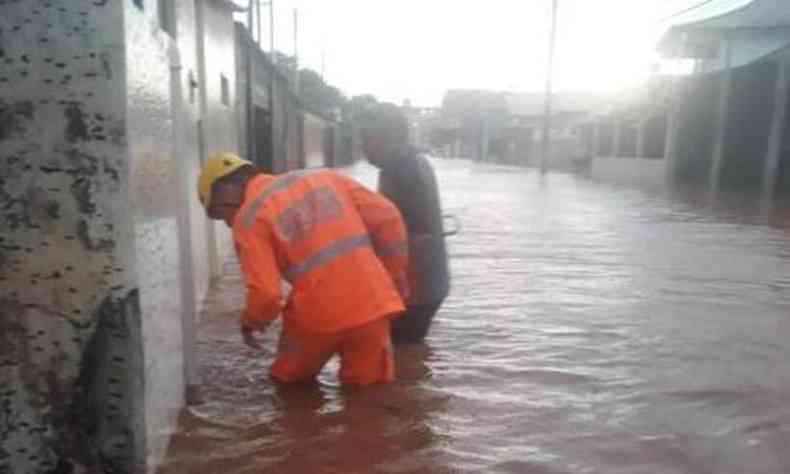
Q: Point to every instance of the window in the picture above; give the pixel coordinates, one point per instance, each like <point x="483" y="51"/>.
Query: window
<point x="138" y="3"/>
<point x="225" y="90"/>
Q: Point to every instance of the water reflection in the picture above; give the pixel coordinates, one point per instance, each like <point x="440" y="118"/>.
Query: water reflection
<point x="302" y="428"/>
<point x="378" y="429"/>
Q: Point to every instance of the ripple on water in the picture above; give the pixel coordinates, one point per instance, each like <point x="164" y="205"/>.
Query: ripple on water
<point x="590" y="329"/>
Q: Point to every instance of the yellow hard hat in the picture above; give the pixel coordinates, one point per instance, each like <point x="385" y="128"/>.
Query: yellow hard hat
<point x="217" y="166"/>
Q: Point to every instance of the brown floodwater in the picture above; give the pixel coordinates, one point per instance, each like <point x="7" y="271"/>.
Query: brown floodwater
<point x="591" y="328"/>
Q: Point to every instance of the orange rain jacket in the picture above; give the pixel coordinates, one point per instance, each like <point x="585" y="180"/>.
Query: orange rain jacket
<point x="342" y="247"/>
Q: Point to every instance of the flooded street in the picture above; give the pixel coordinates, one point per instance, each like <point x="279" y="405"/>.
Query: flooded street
<point x="591" y="328"/>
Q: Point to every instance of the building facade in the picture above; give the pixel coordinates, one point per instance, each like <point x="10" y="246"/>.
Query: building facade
<point x="106" y="111"/>
<point x="728" y="119"/>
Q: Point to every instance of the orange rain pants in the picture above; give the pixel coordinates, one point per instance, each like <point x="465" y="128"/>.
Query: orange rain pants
<point x="365" y="354"/>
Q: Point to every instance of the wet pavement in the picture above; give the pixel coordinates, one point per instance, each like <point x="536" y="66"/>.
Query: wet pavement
<point x="591" y="328"/>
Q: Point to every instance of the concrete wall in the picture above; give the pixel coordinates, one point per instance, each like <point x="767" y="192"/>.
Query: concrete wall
<point x="564" y="153"/>
<point x="518" y="144"/>
<point x="194" y="251"/>
<point x="745" y="121"/>
<point x="748" y="125"/>
<point x="314" y="152"/>
<point x="284" y="110"/>
<point x="218" y="38"/>
<point x="631" y="171"/>
<point x="605" y="138"/>
<point x="70" y="311"/>
<point x="628" y="139"/>
<point x="655" y="137"/>
<point x="104" y="250"/>
<point x="246" y="149"/>
<point x="219" y="122"/>
<point x="154" y="196"/>
<point x="696" y="114"/>
<point x="783" y="169"/>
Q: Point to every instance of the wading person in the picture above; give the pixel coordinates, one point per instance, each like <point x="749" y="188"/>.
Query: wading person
<point x="407" y="179"/>
<point x="341" y="247"/>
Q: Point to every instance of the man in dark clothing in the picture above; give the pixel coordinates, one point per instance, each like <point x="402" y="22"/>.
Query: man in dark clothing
<point x="407" y="179"/>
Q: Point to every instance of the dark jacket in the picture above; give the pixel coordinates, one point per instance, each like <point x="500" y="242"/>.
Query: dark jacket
<point x="408" y="180"/>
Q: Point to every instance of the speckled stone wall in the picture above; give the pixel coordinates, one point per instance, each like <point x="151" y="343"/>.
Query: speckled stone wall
<point x="71" y="367"/>
<point x="104" y="249"/>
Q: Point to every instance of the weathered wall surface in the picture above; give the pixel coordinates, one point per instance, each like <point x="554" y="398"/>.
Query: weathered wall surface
<point x="71" y="375"/>
<point x="783" y="169"/>
<point x="696" y="115"/>
<point x="748" y="125"/>
<point x="649" y="173"/>
<point x="154" y="196"/>
<point x="186" y="116"/>
<point x="314" y="152"/>
<point x="746" y="128"/>
<point x="655" y="137"/>
<point x="218" y="37"/>
<point x="194" y="255"/>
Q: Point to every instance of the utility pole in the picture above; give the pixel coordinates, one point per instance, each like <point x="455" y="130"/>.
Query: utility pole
<point x="296" y="51"/>
<point x="271" y="31"/>
<point x="269" y="4"/>
<point x="546" y="138"/>
<point x="323" y="64"/>
<point x="258" y="20"/>
<point x="250" y="151"/>
<point x="250" y="13"/>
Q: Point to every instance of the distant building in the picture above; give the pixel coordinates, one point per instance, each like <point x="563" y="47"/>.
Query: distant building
<point x="422" y="121"/>
<point x="277" y="131"/>
<point x="504" y="126"/>
<point x="728" y="120"/>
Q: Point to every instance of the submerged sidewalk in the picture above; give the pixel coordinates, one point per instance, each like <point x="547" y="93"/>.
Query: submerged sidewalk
<point x="242" y="422"/>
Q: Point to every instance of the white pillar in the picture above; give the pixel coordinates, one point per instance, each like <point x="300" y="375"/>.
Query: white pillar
<point x="596" y="139"/>
<point x="484" y="140"/>
<point x="722" y="116"/>
<point x="641" y="132"/>
<point x="670" y="144"/>
<point x="616" y="136"/>
<point x="776" y="136"/>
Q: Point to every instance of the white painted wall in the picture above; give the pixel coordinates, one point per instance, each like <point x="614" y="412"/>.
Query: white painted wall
<point x="154" y="197"/>
<point x="634" y="171"/>
<point x="217" y="37"/>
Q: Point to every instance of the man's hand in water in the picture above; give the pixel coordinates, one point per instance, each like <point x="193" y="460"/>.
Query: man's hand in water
<point x="248" y="335"/>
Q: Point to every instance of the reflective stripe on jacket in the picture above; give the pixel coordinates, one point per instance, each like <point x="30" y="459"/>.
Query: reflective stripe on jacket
<point x="321" y="232"/>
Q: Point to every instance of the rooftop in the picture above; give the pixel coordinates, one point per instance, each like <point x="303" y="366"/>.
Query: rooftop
<point x="718" y="14"/>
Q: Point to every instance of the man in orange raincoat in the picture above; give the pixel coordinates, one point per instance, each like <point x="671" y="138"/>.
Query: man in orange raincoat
<point x="341" y="247"/>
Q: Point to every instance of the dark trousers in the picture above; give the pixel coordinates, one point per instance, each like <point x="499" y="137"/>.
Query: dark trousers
<point x="413" y="325"/>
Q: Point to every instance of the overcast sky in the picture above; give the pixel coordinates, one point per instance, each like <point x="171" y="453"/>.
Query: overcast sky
<point x="417" y="49"/>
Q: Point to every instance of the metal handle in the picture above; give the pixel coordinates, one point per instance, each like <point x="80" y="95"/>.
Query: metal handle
<point x="456" y="222"/>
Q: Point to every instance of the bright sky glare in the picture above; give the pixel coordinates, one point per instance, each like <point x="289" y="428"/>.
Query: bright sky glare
<point x="417" y="49"/>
